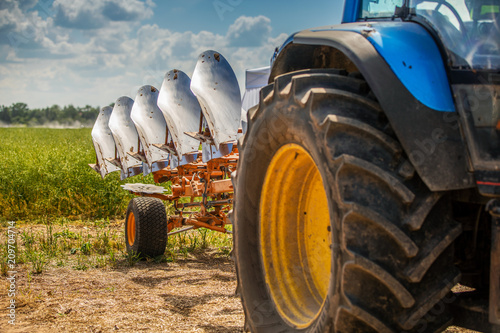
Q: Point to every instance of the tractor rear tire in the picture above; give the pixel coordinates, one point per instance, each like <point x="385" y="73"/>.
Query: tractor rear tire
<point x="146" y="227"/>
<point x="334" y="230"/>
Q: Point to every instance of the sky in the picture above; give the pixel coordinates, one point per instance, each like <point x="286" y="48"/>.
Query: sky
<point x="91" y="52"/>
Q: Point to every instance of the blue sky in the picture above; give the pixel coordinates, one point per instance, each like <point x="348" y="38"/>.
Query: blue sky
<point x="93" y="51"/>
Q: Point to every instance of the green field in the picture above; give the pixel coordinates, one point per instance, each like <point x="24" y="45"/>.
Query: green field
<point x="44" y="175"/>
<point x="64" y="211"/>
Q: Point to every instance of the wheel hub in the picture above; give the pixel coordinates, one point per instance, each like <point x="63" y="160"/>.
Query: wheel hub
<point x="131" y="229"/>
<point x="295" y="235"/>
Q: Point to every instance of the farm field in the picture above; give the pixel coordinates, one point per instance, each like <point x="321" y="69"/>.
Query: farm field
<point x="71" y="263"/>
<point x="72" y="271"/>
<point x="44" y="175"/>
<point x="78" y="278"/>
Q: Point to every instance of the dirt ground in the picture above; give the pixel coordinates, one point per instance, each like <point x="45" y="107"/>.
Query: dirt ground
<point x="191" y="295"/>
<point x="195" y="295"/>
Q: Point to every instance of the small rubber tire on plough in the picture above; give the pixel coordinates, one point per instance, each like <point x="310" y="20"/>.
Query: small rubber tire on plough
<point x="146" y="227"/>
<point x="334" y="229"/>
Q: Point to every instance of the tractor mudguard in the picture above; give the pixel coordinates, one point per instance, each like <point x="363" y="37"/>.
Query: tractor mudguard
<point x="412" y="54"/>
<point x="151" y="127"/>
<point x="431" y="138"/>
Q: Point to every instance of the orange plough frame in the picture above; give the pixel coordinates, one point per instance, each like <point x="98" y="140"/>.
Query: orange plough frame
<point x="208" y="187"/>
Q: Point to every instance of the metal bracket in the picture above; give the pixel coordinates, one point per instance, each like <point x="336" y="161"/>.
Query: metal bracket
<point x="138" y="156"/>
<point x="200" y="137"/>
<point x="493" y="207"/>
<point x="166" y="148"/>
<point x="95" y="167"/>
<point x="115" y="162"/>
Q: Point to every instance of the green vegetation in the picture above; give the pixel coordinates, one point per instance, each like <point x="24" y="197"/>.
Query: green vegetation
<point x="44" y="175"/>
<point x="65" y="214"/>
<point x="19" y="114"/>
<point x="99" y="244"/>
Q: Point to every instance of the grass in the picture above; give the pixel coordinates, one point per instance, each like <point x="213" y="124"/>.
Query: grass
<point x="44" y="174"/>
<point x="83" y="246"/>
<point x="65" y="212"/>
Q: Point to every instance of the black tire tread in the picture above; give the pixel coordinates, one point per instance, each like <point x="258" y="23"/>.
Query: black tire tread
<point x="390" y="143"/>
<point x="367" y="318"/>
<point x="396" y="186"/>
<point x="151" y="227"/>
<point x="415" y="221"/>
<point x="404" y="242"/>
<point x="402" y="294"/>
<point x="421" y="273"/>
<point x="430" y="253"/>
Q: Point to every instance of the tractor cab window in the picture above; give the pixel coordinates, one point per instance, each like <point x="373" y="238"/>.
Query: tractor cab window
<point x="379" y="8"/>
<point x="469" y="29"/>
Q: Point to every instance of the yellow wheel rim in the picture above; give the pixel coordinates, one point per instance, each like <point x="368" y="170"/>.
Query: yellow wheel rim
<point x="295" y="235"/>
<point x="131" y="229"/>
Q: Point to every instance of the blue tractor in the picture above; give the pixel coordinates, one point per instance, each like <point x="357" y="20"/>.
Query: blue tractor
<point x="367" y="192"/>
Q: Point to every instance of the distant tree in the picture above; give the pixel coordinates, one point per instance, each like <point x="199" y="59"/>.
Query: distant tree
<point x="20" y="114"/>
<point x="5" y="114"/>
<point x="70" y="112"/>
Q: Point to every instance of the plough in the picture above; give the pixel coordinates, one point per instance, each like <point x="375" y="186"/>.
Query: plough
<point x="184" y="134"/>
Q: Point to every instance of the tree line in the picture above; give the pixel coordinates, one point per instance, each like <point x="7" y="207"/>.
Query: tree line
<point x="18" y="114"/>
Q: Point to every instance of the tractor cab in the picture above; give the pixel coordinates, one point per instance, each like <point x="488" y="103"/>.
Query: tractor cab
<point x="467" y="33"/>
<point x="468" y="29"/>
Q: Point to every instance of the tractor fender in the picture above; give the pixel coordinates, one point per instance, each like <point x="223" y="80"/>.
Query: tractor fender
<point x="422" y="114"/>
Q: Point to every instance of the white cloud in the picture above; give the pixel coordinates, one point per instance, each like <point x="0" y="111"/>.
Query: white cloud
<point x="8" y="5"/>
<point x="93" y="14"/>
<point x="97" y="66"/>
<point x="249" y="31"/>
<point x="26" y="4"/>
<point x="21" y="29"/>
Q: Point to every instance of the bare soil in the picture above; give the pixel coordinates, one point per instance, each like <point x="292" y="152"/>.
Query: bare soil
<point x="190" y="295"/>
<point x="194" y="295"/>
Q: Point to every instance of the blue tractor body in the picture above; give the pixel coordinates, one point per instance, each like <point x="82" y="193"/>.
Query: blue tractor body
<point x="433" y="56"/>
<point x="412" y="54"/>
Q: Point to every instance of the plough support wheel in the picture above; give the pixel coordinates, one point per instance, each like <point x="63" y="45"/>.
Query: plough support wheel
<point x="146" y="227"/>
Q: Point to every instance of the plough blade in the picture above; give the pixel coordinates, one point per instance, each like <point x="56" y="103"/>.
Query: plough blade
<point x="126" y="137"/>
<point x="186" y="159"/>
<point x="216" y="87"/>
<point x="181" y="110"/>
<point x="151" y="128"/>
<point x="150" y="134"/>
<point x="104" y="144"/>
<point x="161" y="133"/>
<point x="209" y="152"/>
